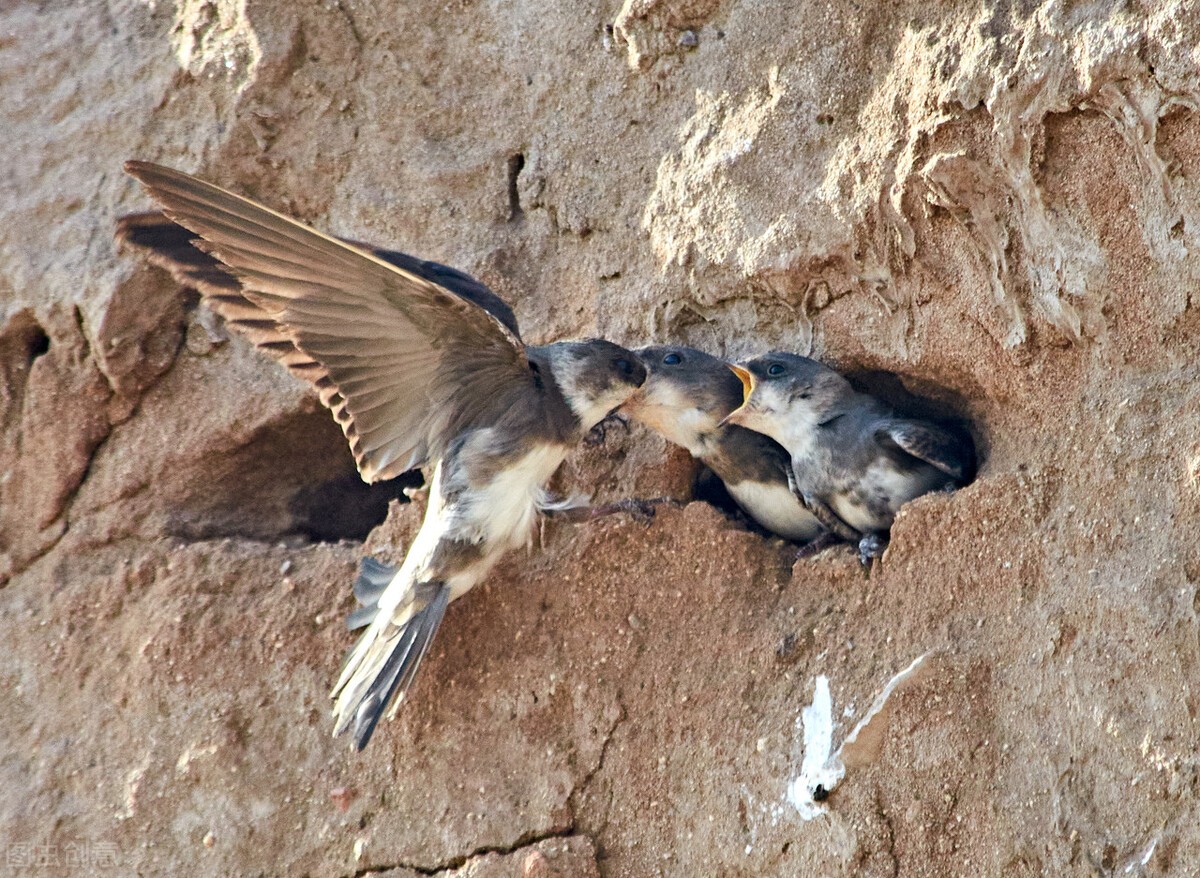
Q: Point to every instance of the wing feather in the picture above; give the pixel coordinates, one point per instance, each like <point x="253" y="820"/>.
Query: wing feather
<point x="403" y="361"/>
<point x="926" y="442"/>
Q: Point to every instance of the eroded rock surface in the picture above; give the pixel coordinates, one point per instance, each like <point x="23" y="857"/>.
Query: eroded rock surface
<point x="997" y="202"/>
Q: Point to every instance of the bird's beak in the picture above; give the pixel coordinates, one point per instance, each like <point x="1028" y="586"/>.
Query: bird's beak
<point x="747" y="379"/>
<point x="634" y="399"/>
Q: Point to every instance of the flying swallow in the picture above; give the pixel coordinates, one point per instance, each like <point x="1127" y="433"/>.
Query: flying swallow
<point x="686" y="396"/>
<point x="422" y="367"/>
<point x="854" y="463"/>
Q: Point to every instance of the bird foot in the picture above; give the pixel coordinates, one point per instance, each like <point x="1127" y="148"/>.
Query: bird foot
<point x="816" y="544"/>
<point x="638" y="510"/>
<point x="599" y="433"/>
<point x="870" y="547"/>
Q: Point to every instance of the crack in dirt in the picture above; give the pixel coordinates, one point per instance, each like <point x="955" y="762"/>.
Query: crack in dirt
<point x="889" y="846"/>
<point x="585" y="783"/>
<point x="25" y="565"/>
<point x="89" y="356"/>
<point x="527" y="839"/>
<point x="524" y="841"/>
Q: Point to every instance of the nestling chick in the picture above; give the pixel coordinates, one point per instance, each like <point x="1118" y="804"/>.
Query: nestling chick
<point x="685" y="397"/>
<point x="854" y="463"/>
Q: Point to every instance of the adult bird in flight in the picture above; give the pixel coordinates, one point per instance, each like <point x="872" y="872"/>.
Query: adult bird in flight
<point x="422" y="367"/>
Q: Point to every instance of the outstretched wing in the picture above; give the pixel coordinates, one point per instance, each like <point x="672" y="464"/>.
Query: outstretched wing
<point x="403" y="363"/>
<point x="170" y="246"/>
<point x="926" y="442"/>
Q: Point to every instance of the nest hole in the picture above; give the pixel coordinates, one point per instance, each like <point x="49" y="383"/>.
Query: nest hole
<point x="939" y="405"/>
<point x="516" y="164"/>
<point x="935" y="404"/>
<point x="293" y="479"/>
<point x="22" y="342"/>
<point x="37" y="344"/>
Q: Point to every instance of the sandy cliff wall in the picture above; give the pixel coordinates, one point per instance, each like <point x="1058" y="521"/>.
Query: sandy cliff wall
<point x="998" y="201"/>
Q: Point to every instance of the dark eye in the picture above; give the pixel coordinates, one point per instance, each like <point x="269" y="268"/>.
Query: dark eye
<point x="775" y="369"/>
<point x="672" y="359"/>
<point x="623" y="366"/>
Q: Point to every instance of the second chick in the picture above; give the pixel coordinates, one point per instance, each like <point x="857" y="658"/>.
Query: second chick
<point x="686" y="395"/>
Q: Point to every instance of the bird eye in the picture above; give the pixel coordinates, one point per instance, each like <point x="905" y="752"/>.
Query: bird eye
<point x="775" y="369"/>
<point x="672" y="359"/>
<point x="623" y="366"/>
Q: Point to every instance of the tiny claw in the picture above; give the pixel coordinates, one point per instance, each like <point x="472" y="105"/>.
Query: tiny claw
<point x="641" y="510"/>
<point x="817" y="544"/>
<point x="638" y="510"/>
<point x="870" y="547"/>
<point x="599" y="433"/>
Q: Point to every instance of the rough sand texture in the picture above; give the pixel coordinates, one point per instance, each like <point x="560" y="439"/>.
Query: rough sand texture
<point x="997" y="201"/>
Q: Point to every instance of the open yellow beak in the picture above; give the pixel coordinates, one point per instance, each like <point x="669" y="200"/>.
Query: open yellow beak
<point x="747" y="378"/>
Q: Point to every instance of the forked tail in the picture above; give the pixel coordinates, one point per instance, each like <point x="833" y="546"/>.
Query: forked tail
<point x="380" y="668"/>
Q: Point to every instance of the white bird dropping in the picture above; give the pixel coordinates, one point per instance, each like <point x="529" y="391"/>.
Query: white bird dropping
<point x="820" y="767"/>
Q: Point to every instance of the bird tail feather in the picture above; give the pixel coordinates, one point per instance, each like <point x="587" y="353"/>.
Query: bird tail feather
<point x="373" y="579"/>
<point x="381" y="667"/>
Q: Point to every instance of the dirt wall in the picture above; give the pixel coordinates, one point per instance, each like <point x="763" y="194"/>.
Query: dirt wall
<point x="997" y="201"/>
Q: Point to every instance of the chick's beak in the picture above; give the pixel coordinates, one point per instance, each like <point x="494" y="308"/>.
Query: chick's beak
<point x="747" y="379"/>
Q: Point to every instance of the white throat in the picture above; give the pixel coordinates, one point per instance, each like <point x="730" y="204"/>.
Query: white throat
<point x="662" y="407"/>
<point x="590" y="410"/>
<point x="791" y="426"/>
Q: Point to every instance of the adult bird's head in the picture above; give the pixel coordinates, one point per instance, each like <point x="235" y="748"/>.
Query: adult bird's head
<point x="595" y="376"/>
<point x="784" y="393"/>
<point x="686" y="395"/>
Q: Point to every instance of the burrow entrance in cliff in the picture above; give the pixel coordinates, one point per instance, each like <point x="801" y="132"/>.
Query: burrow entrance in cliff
<point x="292" y="479"/>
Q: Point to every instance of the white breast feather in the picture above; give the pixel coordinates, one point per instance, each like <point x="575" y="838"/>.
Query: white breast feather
<point x="900" y="487"/>
<point x="500" y="514"/>
<point x="503" y="512"/>
<point x="853" y="514"/>
<point x="776" y="508"/>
